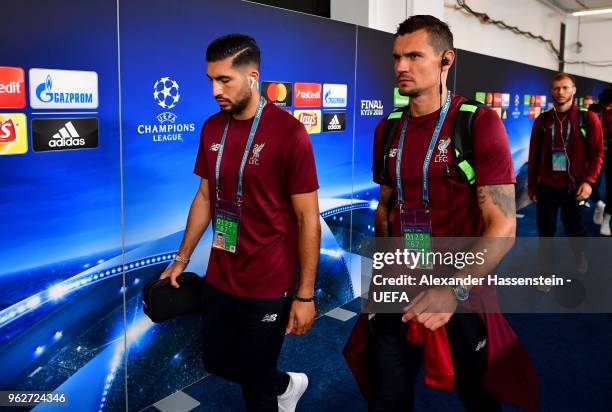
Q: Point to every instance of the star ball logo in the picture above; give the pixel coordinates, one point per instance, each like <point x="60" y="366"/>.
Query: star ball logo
<point x="166" y="94"/>
<point x="279" y="93"/>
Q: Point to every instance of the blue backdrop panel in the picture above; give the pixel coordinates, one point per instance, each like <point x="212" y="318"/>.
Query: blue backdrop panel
<point x="61" y="210"/>
<point x="167" y="45"/>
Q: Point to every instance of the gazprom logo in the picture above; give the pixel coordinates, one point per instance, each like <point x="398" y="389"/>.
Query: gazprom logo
<point x="46" y="89"/>
<point x="335" y="95"/>
<point x="63" y="89"/>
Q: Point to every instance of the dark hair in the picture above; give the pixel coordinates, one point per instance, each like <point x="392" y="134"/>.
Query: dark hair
<point x="561" y="76"/>
<point x="440" y="36"/>
<point x="605" y="97"/>
<point x="241" y="47"/>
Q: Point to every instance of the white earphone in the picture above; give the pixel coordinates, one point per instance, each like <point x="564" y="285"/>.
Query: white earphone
<point x="252" y="81"/>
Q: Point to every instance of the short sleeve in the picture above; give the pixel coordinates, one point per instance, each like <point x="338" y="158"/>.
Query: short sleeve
<point x="200" y="163"/>
<point x="300" y="169"/>
<point x="492" y="155"/>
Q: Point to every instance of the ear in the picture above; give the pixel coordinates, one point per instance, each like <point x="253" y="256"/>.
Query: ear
<point x="447" y="60"/>
<point x="254" y="77"/>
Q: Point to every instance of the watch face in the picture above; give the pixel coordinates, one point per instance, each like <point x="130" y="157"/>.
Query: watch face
<point x="461" y="293"/>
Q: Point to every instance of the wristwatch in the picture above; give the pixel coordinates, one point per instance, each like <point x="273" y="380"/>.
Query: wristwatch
<point x="461" y="293"/>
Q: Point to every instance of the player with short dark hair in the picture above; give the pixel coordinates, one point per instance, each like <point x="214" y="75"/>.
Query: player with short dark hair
<point x="424" y="190"/>
<point x="259" y="187"/>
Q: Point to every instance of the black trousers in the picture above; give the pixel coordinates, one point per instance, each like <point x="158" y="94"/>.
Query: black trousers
<point x="608" y="178"/>
<point x="550" y="200"/>
<point x="596" y="196"/>
<point x="242" y="339"/>
<point x="393" y="363"/>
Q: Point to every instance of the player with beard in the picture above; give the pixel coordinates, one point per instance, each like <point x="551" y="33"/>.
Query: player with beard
<point x="259" y="187"/>
<point x="565" y="159"/>
<point x="423" y="192"/>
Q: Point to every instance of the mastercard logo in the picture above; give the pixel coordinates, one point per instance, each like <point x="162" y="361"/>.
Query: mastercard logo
<point x="279" y="93"/>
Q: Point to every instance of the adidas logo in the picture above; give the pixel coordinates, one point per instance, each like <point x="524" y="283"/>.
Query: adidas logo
<point x="67" y="136"/>
<point x="334" y="124"/>
<point x="269" y="318"/>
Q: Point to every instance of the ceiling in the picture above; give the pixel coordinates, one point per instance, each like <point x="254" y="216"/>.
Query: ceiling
<point x="570" y="6"/>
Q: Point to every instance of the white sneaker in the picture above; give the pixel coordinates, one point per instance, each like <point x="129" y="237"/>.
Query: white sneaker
<point x="598" y="214"/>
<point x="298" y="382"/>
<point x="604" y="229"/>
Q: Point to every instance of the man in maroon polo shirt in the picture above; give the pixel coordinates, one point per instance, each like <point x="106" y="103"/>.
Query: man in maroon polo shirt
<point x="423" y="54"/>
<point x="564" y="163"/>
<point x="603" y="207"/>
<point x="259" y="187"/>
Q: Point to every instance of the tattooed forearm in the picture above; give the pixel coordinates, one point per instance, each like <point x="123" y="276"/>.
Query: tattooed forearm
<point x="502" y="196"/>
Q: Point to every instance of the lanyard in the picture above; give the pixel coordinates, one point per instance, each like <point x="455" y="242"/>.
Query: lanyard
<point x="432" y="146"/>
<point x="246" y="151"/>
<point x="567" y="132"/>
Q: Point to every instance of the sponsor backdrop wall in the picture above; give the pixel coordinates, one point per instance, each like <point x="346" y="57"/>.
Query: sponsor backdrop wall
<point x="71" y="316"/>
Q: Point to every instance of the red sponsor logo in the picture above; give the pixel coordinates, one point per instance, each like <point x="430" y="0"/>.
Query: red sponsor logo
<point x="532" y="112"/>
<point x="497" y="99"/>
<point x="311" y="119"/>
<point x="8" y="133"/>
<point x="490" y="99"/>
<point x="308" y="119"/>
<point x="538" y="100"/>
<point x="307" y="94"/>
<point x="12" y="88"/>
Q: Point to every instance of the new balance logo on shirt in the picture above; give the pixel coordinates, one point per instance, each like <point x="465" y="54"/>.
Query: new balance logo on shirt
<point x="215" y="147"/>
<point x="269" y="318"/>
<point x="481" y="345"/>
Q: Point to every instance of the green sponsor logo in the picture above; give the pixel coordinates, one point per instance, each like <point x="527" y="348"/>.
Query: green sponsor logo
<point x="398" y="99"/>
<point x="527" y="100"/>
<point x="481" y="97"/>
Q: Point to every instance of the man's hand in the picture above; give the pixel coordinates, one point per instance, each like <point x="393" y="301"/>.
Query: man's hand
<point x="584" y="192"/>
<point x="432" y="308"/>
<point x="301" y="317"/>
<point x="173" y="272"/>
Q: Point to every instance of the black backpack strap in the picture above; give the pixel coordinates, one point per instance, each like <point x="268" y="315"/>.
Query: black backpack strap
<point x="543" y="119"/>
<point x="463" y="141"/>
<point x="392" y="123"/>
<point x="583" y="122"/>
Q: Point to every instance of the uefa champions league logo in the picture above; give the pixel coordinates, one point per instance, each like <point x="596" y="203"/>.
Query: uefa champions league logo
<point x="166" y="93"/>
